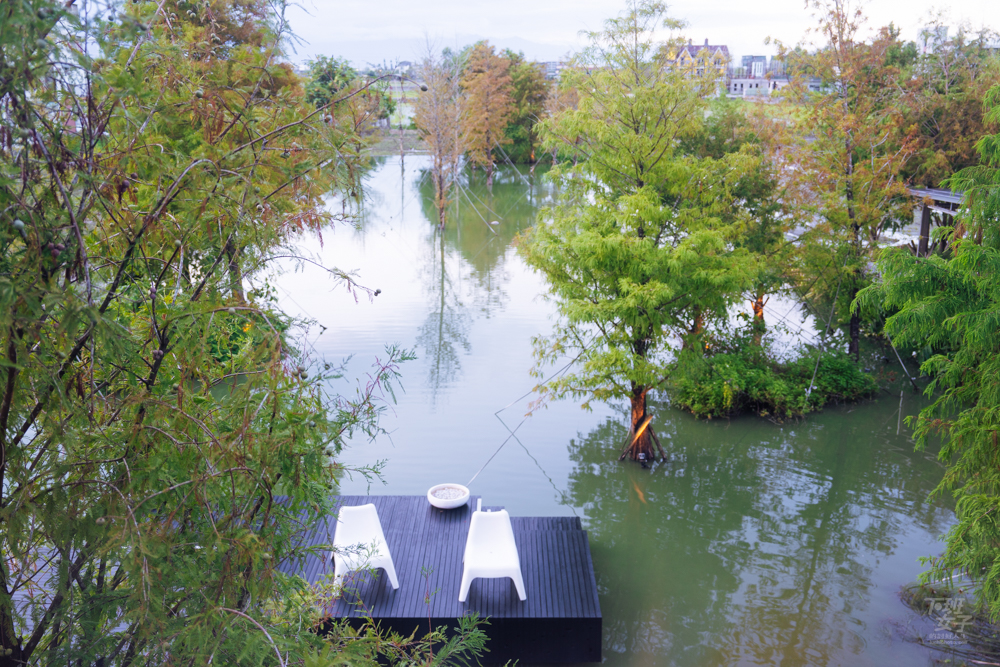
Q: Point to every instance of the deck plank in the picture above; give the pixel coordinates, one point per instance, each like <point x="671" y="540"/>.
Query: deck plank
<point x="578" y="582"/>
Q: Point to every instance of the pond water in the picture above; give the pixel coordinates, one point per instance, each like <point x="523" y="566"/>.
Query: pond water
<point x="755" y="544"/>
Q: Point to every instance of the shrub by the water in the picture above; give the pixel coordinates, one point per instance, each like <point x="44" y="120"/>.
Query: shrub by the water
<point x="741" y="377"/>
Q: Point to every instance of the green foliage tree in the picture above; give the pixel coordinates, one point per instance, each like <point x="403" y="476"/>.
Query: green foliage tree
<point x="637" y="252"/>
<point x="328" y="77"/>
<point x="529" y="93"/>
<point x="741" y="371"/>
<point x="562" y="97"/>
<point x="951" y="305"/>
<point x="759" y="214"/>
<point x="160" y="439"/>
<point x="851" y="149"/>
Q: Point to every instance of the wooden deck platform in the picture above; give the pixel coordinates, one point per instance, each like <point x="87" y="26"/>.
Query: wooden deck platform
<point x="559" y="622"/>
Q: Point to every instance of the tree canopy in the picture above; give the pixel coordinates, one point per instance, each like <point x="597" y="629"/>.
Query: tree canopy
<point x="529" y="92"/>
<point x="488" y="106"/>
<point x="161" y="439"/>
<point x="327" y="77"/>
<point x="849" y="156"/>
<point x="636" y="251"/>
<point x="948" y="83"/>
<point x="439" y="114"/>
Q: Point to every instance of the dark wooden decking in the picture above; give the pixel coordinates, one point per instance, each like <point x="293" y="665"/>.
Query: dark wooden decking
<point x="559" y="622"/>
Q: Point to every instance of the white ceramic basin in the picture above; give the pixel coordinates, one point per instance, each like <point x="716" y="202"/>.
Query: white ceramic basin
<point x="448" y="496"/>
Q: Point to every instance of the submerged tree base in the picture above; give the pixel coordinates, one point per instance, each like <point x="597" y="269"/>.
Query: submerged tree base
<point x="638" y="445"/>
<point x="740" y="377"/>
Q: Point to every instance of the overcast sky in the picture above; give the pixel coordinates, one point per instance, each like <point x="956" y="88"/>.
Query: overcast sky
<point x="366" y="31"/>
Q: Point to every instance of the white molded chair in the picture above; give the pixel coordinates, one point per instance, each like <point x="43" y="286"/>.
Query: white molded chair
<point x="490" y="551"/>
<point x="358" y="530"/>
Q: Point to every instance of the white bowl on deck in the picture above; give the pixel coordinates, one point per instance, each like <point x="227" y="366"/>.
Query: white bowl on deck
<point x="460" y="493"/>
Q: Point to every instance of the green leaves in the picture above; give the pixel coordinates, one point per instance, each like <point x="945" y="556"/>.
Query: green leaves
<point x="951" y="305"/>
<point x="638" y="251"/>
<point x="157" y="449"/>
<point x="327" y="77"/>
<point x="739" y="376"/>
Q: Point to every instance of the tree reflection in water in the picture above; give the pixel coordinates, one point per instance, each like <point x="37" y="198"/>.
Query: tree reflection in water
<point x="445" y="332"/>
<point x="466" y="271"/>
<point x="754" y="543"/>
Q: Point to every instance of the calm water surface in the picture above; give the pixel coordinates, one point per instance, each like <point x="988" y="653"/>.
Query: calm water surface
<point x="755" y="544"/>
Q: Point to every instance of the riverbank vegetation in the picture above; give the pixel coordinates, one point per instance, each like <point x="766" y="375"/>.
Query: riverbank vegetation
<point x="161" y="435"/>
<point x="949" y="304"/>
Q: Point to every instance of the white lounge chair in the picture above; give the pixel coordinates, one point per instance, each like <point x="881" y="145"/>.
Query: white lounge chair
<point x="490" y="551"/>
<point x="360" y="543"/>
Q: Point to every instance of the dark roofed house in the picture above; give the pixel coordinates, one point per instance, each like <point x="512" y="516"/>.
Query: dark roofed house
<point x="697" y="57"/>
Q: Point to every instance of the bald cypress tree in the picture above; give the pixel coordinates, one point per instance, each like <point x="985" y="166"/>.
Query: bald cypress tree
<point x="637" y="252"/>
<point x="488" y="106"/>
<point x="161" y="441"/>
<point x="439" y="114"/>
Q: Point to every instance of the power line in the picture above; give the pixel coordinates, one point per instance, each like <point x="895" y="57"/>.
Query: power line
<point x="519" y="398"/>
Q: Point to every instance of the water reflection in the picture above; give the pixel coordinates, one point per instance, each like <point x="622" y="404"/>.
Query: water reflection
<point x="465" y="270"/>
<point x="445" y="333"/>
<point x="511" y="204"/>
<point x="753" y="544"/>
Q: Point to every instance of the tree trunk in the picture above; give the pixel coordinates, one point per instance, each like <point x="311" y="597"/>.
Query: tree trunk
<point x="440" y="195"/>
<point x="694" y="333"/>
<point x="925" y="231"/>
<point x="643" y="442"/>
<point x="235" y="274"/>
<point x="758" y="326"/>
<point x="8" y="639"/>
<point x="854" y="346"/>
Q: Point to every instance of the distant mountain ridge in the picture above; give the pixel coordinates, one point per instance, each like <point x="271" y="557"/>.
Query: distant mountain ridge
<point x="377" y="51"/>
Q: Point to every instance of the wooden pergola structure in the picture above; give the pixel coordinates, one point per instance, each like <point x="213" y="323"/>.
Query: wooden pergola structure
<point x="945" y="204"/>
